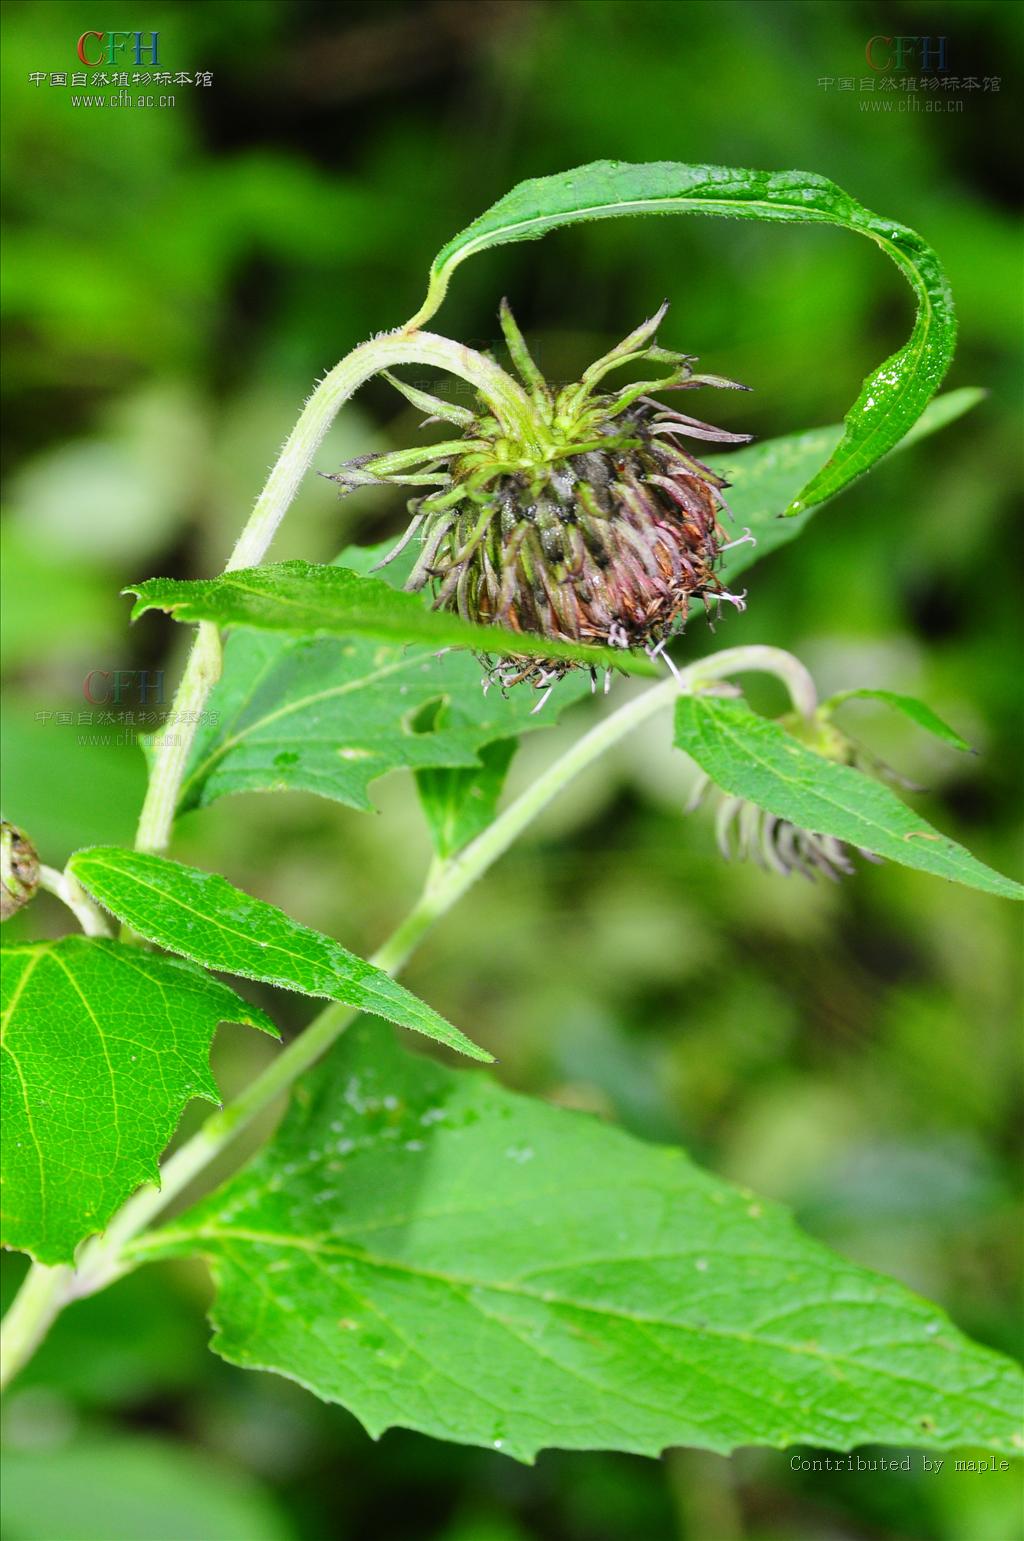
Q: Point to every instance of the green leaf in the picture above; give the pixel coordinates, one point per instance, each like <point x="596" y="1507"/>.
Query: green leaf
<point x="329" y="716"/>
<point x="437" y="1253"/>
<point x="765" y="478"/>
<point x="459" y="804"/>
<point x="201" y="915"/>
<point x="891" y="397"/>
<point x="103" y="1045"/>
<point x="916" y="710"/>
<point x="326" y="600"/>
<point x="752" y="758"/>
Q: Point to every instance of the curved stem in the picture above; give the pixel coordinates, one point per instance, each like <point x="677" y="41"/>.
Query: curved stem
<point x="42" y="1297"/>
<point x="758" y="658"/>
<point x="506" y="398"/>
<point x="170" y="756"/>
<point x="507" y="401"/>
<point x="70" y="892"/>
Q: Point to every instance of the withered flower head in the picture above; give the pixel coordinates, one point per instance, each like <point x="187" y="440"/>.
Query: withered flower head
<point x="585" y="520"/>
<point x="746" y="832"/>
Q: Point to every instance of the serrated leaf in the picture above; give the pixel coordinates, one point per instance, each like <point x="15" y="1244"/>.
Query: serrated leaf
<point x="916" y="710"/>
<point x="437" y="1253"/>
<point x="765" y="478"/>
<point x="459" y="804"/>
<point x="204" y="917"/>
<point x="326" y="600"/>
<point x="891" y="397"/>
<point x="103" y="1045"/>
<point x="752" y="758"/>
<point x="330" y="716"/>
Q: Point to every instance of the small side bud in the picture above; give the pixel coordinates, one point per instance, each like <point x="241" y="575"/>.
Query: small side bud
<point x="19" y="870"/>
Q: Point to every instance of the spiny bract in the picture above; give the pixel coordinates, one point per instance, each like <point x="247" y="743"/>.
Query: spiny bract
<point x="574" y="514"/>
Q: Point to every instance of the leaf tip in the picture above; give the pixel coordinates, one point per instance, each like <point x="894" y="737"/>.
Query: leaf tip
<point x="139" y="606"/>
<point x="474" y="1051"/>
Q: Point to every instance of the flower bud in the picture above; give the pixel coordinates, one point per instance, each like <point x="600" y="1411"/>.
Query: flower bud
<point x="19" y="870"/>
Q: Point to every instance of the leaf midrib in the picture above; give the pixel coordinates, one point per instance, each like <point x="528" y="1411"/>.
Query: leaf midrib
<point x="38" y="950"/>
<point x="316" y="1249"/>
<point x="203" y="770"/>
<point x="963" y="860"/>
<point x="55" y="957"/>
<point x="914" y="351"/>
<point x="368" y="982"/>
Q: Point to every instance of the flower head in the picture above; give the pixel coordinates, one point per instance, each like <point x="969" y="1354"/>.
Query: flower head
<point x="747" y="832"/>
<point x="584" y="519"/>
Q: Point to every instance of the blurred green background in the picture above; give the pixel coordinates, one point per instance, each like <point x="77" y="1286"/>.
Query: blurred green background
<point x="174" y="280"/>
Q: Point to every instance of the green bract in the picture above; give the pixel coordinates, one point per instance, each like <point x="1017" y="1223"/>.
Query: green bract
<point x="579" y="517"/>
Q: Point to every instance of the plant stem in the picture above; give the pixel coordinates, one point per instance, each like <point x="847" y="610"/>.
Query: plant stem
<point x="506" y="399"/>
<point x="45" y="1291"/>
<point x="104" y="1259"/>
<point x="43" y="1295"/>
<point x="202" y="672"/>
<point x="70" y="892"/>
<point x="761" y="659"/>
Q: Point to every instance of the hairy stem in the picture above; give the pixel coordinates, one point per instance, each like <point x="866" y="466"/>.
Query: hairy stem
<point x="70" y="892"/>
<point x="506" y="399"/>
<point x="42" y="1297"/>
<point x="171" y="754"/>
<point x="106" y="1258"/>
